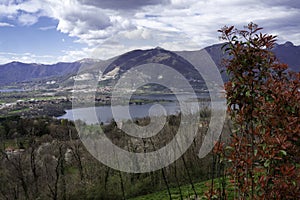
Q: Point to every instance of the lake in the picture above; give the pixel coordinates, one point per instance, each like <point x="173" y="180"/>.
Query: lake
<point x="104" y="113"/>
<point x="12" y="90"/>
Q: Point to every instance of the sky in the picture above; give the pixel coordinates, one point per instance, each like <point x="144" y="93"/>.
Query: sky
<point x="51" y="31"/>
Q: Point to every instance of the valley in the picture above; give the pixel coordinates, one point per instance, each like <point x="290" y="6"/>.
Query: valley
<point x="42" y="141"/>
<point x="49" y="89"/>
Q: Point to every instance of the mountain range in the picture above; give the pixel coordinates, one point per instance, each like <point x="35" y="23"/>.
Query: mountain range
<point x="16" y="73"/>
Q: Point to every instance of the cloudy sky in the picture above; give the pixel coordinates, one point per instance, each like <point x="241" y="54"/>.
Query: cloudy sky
<point x="49" y="31"/>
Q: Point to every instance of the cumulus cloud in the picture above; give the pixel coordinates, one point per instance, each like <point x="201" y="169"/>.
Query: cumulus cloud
<point x="124" y="5"/>
<point x="138" y="33"/>
<point x="115" y="26"/>
<point x="93" y="22"/>
<point x="27" y="19"/>
<point x="25" y="12"/>
<point x="4" y="24"/>
<point x="199" y="20"/>
<point x="90" y="24"/>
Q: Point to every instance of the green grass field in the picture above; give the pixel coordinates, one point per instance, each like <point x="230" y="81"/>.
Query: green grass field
<point x="186" y="191"/>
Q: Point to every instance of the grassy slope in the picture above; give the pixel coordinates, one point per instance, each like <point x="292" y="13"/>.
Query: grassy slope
<point x="186" y="190"/>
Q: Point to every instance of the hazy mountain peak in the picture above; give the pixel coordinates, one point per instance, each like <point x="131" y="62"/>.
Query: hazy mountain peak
<point x="159" y="48"/>
<point x="288" y="44"/>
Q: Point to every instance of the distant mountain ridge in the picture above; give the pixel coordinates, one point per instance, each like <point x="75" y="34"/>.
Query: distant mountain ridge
<point x="22" y="72"/>
<point x="17" y="72"/>
<point x="286" y="53"/>
<point x="156" y="55"/>
<point x="289" y="54"/>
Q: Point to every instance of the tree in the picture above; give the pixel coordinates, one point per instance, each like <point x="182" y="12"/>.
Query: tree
<point x="263" y="102"/>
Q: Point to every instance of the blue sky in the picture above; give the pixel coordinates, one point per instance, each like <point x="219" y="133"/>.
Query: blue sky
<point x="50" y="31"/>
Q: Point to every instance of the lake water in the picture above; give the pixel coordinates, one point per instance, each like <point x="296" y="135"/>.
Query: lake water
<point x="104" y="113"/>
<point x="12" y="90"/>
<point x="93" y="115"/>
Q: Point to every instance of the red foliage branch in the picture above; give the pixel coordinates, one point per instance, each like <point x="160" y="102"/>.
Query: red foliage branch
<point x="263" y="102"/>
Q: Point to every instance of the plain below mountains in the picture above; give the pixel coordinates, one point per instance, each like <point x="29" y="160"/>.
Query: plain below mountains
<point x="15" y="73"/>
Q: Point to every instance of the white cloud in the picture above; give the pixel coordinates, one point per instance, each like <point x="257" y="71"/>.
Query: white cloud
<point x="27" y="19"/>
<point x="45" y="28"/>
<point x="90" y="24"/>
<point x="116" y="26"/>
<point x="124" y="5"/>
<point x="93" y="22"/>
<point x="141" y="33"/>
<point x="109" y="51"/>
<point x="71" y="56"/>
<point x="200" y="20"/>
<point x="6" y="57"/>
<point x="4" y="24"/>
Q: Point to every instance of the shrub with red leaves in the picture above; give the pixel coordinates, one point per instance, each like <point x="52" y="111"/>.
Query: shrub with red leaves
<point x="264" y="105"/>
